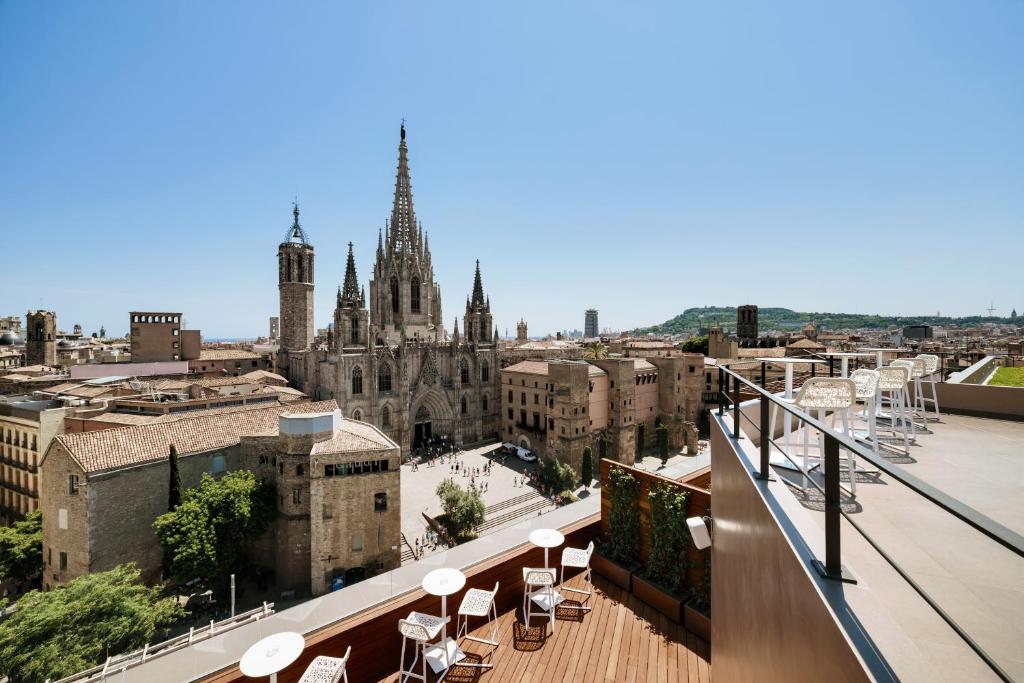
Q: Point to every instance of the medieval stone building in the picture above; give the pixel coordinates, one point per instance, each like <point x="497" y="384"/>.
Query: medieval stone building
<point x="392" y="363"/>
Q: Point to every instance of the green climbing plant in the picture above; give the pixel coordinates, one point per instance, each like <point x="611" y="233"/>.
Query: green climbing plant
<point x="668" y="536"/>
<point x="623" y="545"/>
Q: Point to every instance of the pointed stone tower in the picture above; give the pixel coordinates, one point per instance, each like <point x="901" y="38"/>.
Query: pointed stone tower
<point x="41" y="338"/>
<point x="295" y="285"/>
<point x="404" y="300"/>
<point x="351" y="319"/>
<point x="521" y="335"/>
<point x="477" y="323"/>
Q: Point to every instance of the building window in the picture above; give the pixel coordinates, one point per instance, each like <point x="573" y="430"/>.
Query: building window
<point x="522" y="398"/>
<point x="464" y="371"/>
<point x="483" y="404"/>
<point x="299" y="470"/>
<point x="536" y="399"/>
<point x="485" y="372"/>
<point x="72" y="484"/>
<point x="380" y="502"/>
<point x="510" y="414"/>
<point x="510" y="399"/>
<point x="357" y="415"/>
<point x="357" y="543"/>
<point x="297" y="495"/>
<point x="328" y="513"/>
<point x="463" y="406"/>
<point x="355" y="329"/>
<point x="414" y="295"/>
<point x="384" y="378"/>
<point x="357" y="380"/>
<point x="217" y="464"/>
<point x="394" y="303"/>
<point x="63" y="561"/>
<point x="328" y="470"/>
<point x="385" y="416"/>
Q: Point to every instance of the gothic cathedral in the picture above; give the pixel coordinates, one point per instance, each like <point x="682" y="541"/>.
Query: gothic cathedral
<point x="392" y="364"/>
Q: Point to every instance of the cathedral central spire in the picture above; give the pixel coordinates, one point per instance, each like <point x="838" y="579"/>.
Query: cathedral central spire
<point x="403" y="234"/>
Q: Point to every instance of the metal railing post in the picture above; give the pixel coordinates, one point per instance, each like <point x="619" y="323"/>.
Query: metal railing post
<point x="723" y="389"/>
<point x="735" y="407"/>
<point x="831" y="367"/>
<point x="763" y="374"/>
<point x="833" y="567"/>
<point x="766" y="444"/>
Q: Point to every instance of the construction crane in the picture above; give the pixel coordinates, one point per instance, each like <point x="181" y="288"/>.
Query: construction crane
<point x="991" y="309"/>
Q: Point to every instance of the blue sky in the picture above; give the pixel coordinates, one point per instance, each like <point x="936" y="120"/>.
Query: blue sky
<point x="640" y="158"/>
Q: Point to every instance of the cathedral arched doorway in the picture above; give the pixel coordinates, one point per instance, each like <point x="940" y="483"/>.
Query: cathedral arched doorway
<point x="423" y="425"/>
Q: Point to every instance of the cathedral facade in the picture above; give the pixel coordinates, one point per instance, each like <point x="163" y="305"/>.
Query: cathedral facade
<point x="392" y="363"/>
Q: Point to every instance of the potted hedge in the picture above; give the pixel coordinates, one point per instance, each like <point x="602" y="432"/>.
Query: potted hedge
<point x="662" y="583"/>
<point x="697" y="612"/>
<point x="616" y="557"/>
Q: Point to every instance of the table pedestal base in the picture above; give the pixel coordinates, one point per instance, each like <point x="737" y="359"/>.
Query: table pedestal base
<point x="436" y="658"/>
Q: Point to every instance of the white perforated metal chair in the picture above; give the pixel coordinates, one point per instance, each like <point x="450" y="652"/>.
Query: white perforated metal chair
<point x="827" y="396"/>
<point x="478" y="603"/>
<point x="867" y="393"/>
<point x="422" y="630"/>
<point x="327" y="669"/>
<point x="932" y="377"/>
<point x="577" y="558"/>
<point x="892" y="394"/>
<point x="538" y="582"/>
<point x="914" y="403"/>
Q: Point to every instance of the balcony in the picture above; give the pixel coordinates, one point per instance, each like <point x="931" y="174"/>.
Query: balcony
<point x="931" y="538"/>
<point x="619" y="639"/>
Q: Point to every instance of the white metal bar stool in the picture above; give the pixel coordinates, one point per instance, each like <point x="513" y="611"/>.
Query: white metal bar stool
<point x="577" y="558"/>
<point x="538" y="582"/>
<point x="327" y="669"/>
<point x="931" y="369"/>
<point x="478" y="603"/>
<point x="916" y="367"/>
<point x="827" y="395"/>
<point x="422" y="630"/>
<point x="892" y="393"/>
<point x="867" y="393"/>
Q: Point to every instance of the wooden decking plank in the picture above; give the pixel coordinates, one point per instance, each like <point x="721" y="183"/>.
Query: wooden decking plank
<point x="598" y="656"/>
<point x="613" y="645"/>
<point x="577" y="667"/>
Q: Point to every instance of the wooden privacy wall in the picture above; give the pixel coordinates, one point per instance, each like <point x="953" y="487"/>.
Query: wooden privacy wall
<point x="697" y="505"/>
<point x="373" y="633"/>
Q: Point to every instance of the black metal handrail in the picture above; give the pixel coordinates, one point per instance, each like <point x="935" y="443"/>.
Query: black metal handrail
<point x="832" y="567"/>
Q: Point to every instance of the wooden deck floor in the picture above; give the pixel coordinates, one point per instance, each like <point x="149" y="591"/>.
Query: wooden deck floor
<point x="621" y="639"/>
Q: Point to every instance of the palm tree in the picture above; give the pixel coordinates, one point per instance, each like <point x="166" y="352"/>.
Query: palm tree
<point x="595" y="351"/>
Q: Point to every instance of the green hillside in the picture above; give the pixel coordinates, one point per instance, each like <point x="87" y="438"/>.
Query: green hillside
<point x="783" y="319"/>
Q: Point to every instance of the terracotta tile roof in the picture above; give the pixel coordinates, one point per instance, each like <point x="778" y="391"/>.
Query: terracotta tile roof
<point x="774" y="352"/>
<point x="264" y="376"/>
<point x="227" y="354"/>
<point x="642" y="365"/>
<point x="125" y="418"/>
<point x="111" y="449"/>
<point x="223" y="381"/>
<point x="354" y="436"/>
<point x="540" y="367"/>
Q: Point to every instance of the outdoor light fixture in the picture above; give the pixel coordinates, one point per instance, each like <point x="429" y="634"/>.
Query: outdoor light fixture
<point x="699" y="531"/>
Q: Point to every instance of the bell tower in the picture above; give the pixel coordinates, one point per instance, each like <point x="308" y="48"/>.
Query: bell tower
<point x="295" y="285"/>
<point x="41" y="340"/>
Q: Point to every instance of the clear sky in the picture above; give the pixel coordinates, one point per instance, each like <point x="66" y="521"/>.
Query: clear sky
<point x="639" y="158"/>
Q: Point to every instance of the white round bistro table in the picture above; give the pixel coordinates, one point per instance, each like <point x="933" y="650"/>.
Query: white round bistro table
<point x="845" y="356"/>
<point x="271" y="655"/>
<point x="547" y="538"/>
<point x="444" y="582"/>
<point x="878" y="353"/>
<point x="788" y="362"/>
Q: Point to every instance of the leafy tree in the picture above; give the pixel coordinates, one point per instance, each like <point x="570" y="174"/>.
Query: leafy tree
<point x="587" y="467"/>
<point x="206" y="536"/>
<point x="696" y="345"/>
<point x="463" y="510"/>
<point x="602" y="445"/>
<point x="663" y="443"/>
<point x="640" y="439"/>
<point x="60" y="632"/>
<point x="174" y="490"/>
<point x="595" y="351"/>
<point x="555" y="476"/>
<point x="21" y="549"/>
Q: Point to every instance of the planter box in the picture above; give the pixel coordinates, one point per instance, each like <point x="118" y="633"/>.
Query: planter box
<point x="660" y="599"/>
<point x="613" y="571"/>
<point x="697" y="622"/>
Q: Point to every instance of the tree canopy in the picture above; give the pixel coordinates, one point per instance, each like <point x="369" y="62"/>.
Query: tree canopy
<point x="595" y="351"/>
<point x="21" y="549"/>
<point x="556" y="476"/>
<point x="206" y="536"/>
<point x="463" y="510"/>
<point x="63" y="631"/>
<point x="696" y="345"/>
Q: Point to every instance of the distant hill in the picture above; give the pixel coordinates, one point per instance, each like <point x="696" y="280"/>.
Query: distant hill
<point x="785" y="320"/>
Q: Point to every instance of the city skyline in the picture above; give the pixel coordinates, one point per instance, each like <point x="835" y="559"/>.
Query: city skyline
<point x="577" y="164"/>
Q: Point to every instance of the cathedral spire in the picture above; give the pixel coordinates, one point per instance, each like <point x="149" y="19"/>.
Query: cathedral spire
<point x="478" y="288"/>
<point x="350" y="292"/>
<point x="402" y="231"/>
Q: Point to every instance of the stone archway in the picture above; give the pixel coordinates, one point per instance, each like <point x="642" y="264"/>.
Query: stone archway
<point x="430" y="417"/>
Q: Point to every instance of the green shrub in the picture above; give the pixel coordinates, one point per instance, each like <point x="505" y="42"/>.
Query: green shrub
<point x="663" y="443"/>
<point x="556" y="476"/>
<point x="587" y="467"/>
<point x="668" y="536"/>
<point x="463" y="510"/>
